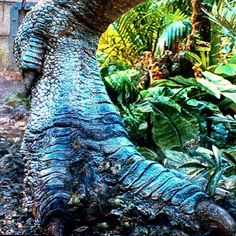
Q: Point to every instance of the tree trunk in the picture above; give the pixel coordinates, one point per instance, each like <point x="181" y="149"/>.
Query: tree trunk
<point x="77" y="153"/>
<point x="201" y="27"/>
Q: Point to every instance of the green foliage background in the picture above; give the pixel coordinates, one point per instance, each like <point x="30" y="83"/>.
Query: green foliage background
<point x="184" y="120"/>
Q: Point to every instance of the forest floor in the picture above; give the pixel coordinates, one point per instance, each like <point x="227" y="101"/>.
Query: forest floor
<point x="13" y="118"/>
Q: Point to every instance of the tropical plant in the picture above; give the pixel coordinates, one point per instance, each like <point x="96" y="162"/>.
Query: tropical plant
<point x="224" y="14"/>
<point x="166" y="110"/>
<point x="175" y="105"/>
<point x="223" y="20"/>
<point x="211" y="165"/>
<point x="172" y="125"/>
<point x="151" y="26"/>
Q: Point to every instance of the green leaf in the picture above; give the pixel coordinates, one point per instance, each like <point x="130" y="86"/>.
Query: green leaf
<point x="174" y="158"/>
<point x="193" y="164"/>
<point x="172" y="128"/>
<point x="204" y="105"/>
<point x="202" y="173"/>
<point x="209" y="87"/>
<point x="230" y="95"/>
<point x="204" y="151"/>
<point x="167" y="83"/>
<point x="162" y="101"/>
<point x="205" y="155"/>
<point x="228" y="69"/>
<point x="183" y="81"/>
<point x="224" y="119"/>
<point x="213" y="182"/>
<point x="233" y="59"/>
<point x="217" y="155"/>
<point x="192" y="57"/>
<point x="148" y="153"/>
<point x="123" y="84"/>
<point x="145" y="94"/>
<point x="218" y="83"/>
<point x="145" y="107"/>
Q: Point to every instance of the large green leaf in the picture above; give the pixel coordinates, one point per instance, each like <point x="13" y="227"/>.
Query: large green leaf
<point x="228" y="69"/>
<point x="219" y="85"/>
<point x="209" y="87"/>
<point x="159" y="100"/>
<point x="172" y="129"/>
<point x="124" y="85"/>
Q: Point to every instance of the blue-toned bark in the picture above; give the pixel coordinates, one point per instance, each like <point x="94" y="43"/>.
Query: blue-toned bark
<point x="75" y="142"/>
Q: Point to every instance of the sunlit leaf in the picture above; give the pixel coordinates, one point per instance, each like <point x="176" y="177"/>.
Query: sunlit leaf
<point x="193" y="164"/>
<point x="228" y="69"/>
<point x="148" y="153"/>
<point x="213" y="182"/>
<point x="218" y="84"/>
<point x="210" y="87"/>
<point x="172" y="33"/>
<point x="233" y="59"/>
<point x="172" y="129"/>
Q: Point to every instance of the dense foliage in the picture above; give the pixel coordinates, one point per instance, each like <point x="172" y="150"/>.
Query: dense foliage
<point x="175" y="85"/>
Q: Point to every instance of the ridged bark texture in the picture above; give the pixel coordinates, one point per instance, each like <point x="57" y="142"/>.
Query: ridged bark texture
<point x="75" y="142"/>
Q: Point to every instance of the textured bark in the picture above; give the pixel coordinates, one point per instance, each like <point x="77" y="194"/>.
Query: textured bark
<point x="75" y="143"/>
<point x="201" y="26"/>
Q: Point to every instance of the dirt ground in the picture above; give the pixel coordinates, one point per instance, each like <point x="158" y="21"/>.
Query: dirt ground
<point x="10" y="82"/>
<point x="13" y="118"/>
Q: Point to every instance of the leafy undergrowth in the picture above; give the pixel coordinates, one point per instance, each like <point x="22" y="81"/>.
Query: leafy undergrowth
<point x="176" y="89"/>
<point x="192" y="118"/>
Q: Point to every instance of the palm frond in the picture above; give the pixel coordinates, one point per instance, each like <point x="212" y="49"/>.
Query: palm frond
<point x="139" y="30"/>
<point x="224" y="14"/>
<point x="183" y="5"/>
<point x="175" y="31"/>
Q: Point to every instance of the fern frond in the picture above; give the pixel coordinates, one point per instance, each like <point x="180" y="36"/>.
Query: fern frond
<point x="175" y="31"/>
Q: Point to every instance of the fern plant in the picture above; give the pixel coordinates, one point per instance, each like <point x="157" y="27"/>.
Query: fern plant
<point x="171" y="34"/>
<point x="223" y="31"/>
<point x="151" y="26"/>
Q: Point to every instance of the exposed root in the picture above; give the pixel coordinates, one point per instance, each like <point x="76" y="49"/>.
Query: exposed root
<point x="217" y="217"/>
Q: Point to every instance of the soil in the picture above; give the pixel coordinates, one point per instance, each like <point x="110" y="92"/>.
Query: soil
<point x="10" y="82"/>
<point x="13" y="118"/>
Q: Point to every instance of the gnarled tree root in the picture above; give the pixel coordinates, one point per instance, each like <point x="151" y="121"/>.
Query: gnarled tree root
<point x="216" y="217"/>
